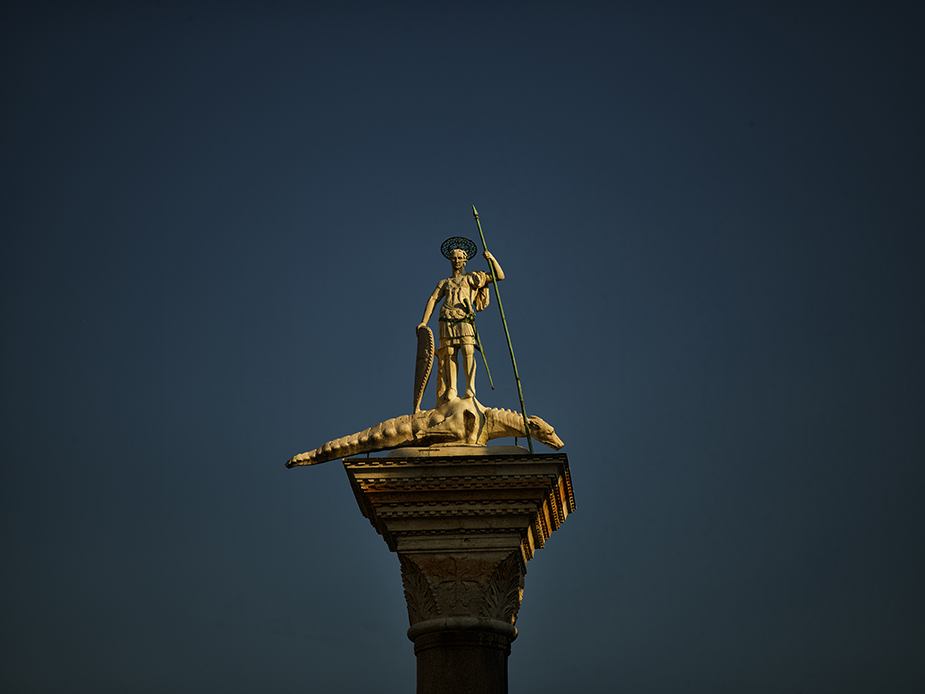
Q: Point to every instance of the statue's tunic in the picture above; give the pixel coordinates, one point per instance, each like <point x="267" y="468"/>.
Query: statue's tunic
<point x="471" y="287"/>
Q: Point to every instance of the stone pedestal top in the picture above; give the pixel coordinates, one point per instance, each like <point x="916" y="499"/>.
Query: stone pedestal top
<point x="453" y="503"/>
<point x="455" y="450"/>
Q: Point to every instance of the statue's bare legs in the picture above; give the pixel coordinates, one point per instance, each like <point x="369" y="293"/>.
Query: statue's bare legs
<point x="448" y="368"/>
<point x="446" y="375"/>
<point x="469" y="367"/>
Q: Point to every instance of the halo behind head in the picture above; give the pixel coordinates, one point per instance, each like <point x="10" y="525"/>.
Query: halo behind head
<point x="460" y="242"/>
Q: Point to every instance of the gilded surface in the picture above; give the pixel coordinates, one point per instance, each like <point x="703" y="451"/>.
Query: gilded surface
<point x="455" y="421"/>
<point x="459" y="421"/>
<point x="463" y="293"/>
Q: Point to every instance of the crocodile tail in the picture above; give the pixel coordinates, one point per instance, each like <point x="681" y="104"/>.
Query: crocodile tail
<point x="391" y="433"/>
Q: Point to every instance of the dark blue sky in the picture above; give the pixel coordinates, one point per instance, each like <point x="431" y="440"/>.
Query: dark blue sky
<point x="220" y="225"/>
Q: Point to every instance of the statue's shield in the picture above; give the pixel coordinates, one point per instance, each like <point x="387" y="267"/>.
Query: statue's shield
<point x="425" y="362"/>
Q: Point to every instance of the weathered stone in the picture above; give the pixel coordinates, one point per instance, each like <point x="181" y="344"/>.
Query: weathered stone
<point x="464" y="527"/>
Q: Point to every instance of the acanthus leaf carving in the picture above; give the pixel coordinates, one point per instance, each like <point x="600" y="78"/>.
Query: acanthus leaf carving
<point x="418" y="594"/>
<point x="505" y="590"/>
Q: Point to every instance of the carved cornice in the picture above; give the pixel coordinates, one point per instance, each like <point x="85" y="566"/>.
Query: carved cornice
<point x="524" y="495"/>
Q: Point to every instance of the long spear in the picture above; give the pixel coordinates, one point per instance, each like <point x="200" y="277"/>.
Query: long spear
<point x="478" y="341"/>
<point x="507" y="334"/>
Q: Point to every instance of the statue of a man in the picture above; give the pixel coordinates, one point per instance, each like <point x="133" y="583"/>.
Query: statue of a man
<point x="463" y="293"/>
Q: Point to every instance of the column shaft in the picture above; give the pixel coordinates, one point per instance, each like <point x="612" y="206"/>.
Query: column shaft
<point x="462" y="662"/>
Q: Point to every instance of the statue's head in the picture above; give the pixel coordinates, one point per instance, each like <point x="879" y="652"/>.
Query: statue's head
<point x="458" y="248"/>
<point x="458" y="258"/>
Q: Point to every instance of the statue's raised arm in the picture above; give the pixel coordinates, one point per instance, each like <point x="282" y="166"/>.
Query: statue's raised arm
<point x="499" y="273"/>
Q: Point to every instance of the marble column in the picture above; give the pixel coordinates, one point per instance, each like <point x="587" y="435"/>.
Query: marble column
<point x="464" y="522"/>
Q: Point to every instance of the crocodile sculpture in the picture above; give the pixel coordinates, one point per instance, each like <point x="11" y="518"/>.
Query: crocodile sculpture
<point x="461" y="421"/>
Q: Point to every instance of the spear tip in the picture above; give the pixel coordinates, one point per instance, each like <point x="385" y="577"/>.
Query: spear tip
<point x="475" y="212"/>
